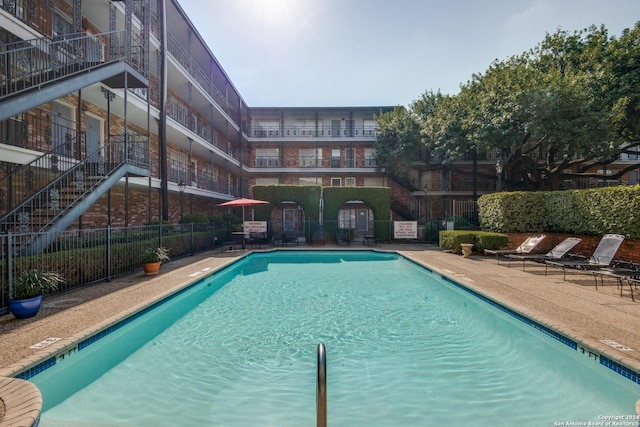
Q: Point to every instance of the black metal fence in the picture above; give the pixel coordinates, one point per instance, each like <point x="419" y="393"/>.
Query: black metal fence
<point x="95" y="255"/>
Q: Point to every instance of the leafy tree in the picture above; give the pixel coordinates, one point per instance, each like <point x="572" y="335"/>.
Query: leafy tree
<point x="398" y="143"/>
<point x="623" y="62"/>
<point x="570" y="103"/>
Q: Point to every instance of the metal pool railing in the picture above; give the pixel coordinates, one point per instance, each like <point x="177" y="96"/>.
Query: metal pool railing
<point x="321" y="388"/>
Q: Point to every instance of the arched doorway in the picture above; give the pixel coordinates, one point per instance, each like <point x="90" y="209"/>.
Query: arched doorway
<point x="288" y="219"/>
<point x="356" y="216"/>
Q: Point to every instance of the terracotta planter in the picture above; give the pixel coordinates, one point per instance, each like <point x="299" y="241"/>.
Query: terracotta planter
<point x="151" y="268"/>
<point x="25" y="308"/>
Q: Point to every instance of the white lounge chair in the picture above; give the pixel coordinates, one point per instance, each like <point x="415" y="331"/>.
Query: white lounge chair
<point x="558" y="252"/>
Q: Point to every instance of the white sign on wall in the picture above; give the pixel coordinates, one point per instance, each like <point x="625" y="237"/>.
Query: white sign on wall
<point x="255" y="227"/>
<point x="405" y="230"/>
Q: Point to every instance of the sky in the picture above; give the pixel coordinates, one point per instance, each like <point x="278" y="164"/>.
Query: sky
<point x="324" y="53"/>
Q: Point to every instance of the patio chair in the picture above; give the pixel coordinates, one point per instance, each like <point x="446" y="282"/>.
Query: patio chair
<point x="343" y="235"/>
<point x="558" y="252"/>
<point x="526" y="247"/>
<point x="289" y="236"/>
<point x="601" y="257"/>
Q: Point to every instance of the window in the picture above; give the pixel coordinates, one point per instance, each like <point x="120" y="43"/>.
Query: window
<point x="194" y="174"/>
<point x="346" y="218"/>
<point x="305" y="127"/>
<point x="14" y="131"/>
<point x="335" y="157"/>
<point x="62" y="129"/>
<point x="370" y="127"/>
<point x="267" y="157"/>
<point x="375" y="181"/>
<point x="207" y="178"/>
<point x="350" y="158"/>
<point x="310" y="157"/>
<point x="62" y="27"/>
<point x="178" y="111"/>
<point x="288" y="219"/>
<point x="308" y="181"/>
<point x="369" y="157"/>
<point x="267" y="181"/>
<point x="267" y="129"/>
<point x="349" y="182"/>
<point x="336" y="182"/>
<point x="178" y="167"/>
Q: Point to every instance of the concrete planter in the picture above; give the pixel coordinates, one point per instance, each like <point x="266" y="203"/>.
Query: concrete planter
<point x="467" y="248"/>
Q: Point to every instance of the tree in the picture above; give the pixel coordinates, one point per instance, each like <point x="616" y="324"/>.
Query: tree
<point x="547" y="111"/>
<point x="398" y="143"/>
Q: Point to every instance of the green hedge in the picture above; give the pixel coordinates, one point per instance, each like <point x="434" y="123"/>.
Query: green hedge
<point x="306" y="195"/>
<point x="481" y="240"/>
<point x="378" y="198"/>
<point x="590" y="212"/>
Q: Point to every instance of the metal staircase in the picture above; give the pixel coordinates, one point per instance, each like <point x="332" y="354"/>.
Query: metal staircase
<point x="33" y="72"/>
<point x="40" y="217"/>
<point x="48" y="194"/>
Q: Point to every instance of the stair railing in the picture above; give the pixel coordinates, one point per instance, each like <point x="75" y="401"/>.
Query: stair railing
<point x="61" y="144"/>
<point x="54" y="200"/>
<point x="29" y="64"/>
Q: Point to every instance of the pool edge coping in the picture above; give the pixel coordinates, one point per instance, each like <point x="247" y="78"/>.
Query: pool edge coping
<point x="594" y="347"/>
<point x="70" y="344"/>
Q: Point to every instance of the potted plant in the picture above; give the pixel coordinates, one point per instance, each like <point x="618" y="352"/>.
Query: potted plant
<point x="152" y="258"/>
<point x="27" y="291"/>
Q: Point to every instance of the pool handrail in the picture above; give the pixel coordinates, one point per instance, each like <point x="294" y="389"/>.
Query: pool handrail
<point x="321" y="388"/>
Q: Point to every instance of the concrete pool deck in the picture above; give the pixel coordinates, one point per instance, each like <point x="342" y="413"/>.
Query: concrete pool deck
<point x="601" y="320"/>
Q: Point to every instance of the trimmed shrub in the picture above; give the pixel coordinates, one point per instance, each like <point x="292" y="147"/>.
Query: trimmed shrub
<point x="595" y="211"/>
<point x="481" y="240"/>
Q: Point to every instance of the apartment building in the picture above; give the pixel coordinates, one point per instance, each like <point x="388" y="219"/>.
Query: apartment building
<point x="314" y="146"/>
<point x="116" y="112"/>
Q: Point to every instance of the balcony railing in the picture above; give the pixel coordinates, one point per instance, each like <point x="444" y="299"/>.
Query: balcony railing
<point x="311" y="162"/>
<point x="267" y="162"/>
<point x="203" y="178"/>
<point x="183" y="57"/>
<point x="311" y="132"/>
<point x="29" y="12"/>
<point x="28" y="64"/>
<point x="42" y="132"/>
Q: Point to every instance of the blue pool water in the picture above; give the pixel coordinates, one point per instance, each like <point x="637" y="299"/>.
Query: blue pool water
<point x="404" y="346"/>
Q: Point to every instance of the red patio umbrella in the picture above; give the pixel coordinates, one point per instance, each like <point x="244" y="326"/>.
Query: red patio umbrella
<point x="243" y="203"/>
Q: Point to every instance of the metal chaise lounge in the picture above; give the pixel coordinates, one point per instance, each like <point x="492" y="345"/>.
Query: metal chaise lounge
<point x="558" y="252"/>
<point x="526" y="247"/>
<point x="600" y="259"/>
<point x="624" y="270"/>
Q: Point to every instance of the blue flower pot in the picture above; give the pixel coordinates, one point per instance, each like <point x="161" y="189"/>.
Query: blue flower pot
<point x="25" y="308"/>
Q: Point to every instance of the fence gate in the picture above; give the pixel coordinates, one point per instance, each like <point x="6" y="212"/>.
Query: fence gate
<point x="467" y="210"/>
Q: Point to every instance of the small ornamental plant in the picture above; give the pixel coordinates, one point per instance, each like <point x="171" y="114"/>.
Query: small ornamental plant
<point x="31" y="283"/>
<point x="155" y="255"/>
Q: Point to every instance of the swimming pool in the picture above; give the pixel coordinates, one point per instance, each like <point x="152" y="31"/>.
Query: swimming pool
<point x="403" y="346"/>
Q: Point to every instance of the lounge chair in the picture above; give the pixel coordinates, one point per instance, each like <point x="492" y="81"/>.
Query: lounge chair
<point x="557" y="253"/>
<point x="601" y="257"/>
<point x="525" y="247"/>
<point x="631" y="274"/>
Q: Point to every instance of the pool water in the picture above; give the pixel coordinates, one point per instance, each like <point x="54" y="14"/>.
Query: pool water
<point x="404" y="346"/>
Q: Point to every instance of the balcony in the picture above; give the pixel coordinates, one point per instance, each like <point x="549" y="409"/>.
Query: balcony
<point x="311" y="132"/>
